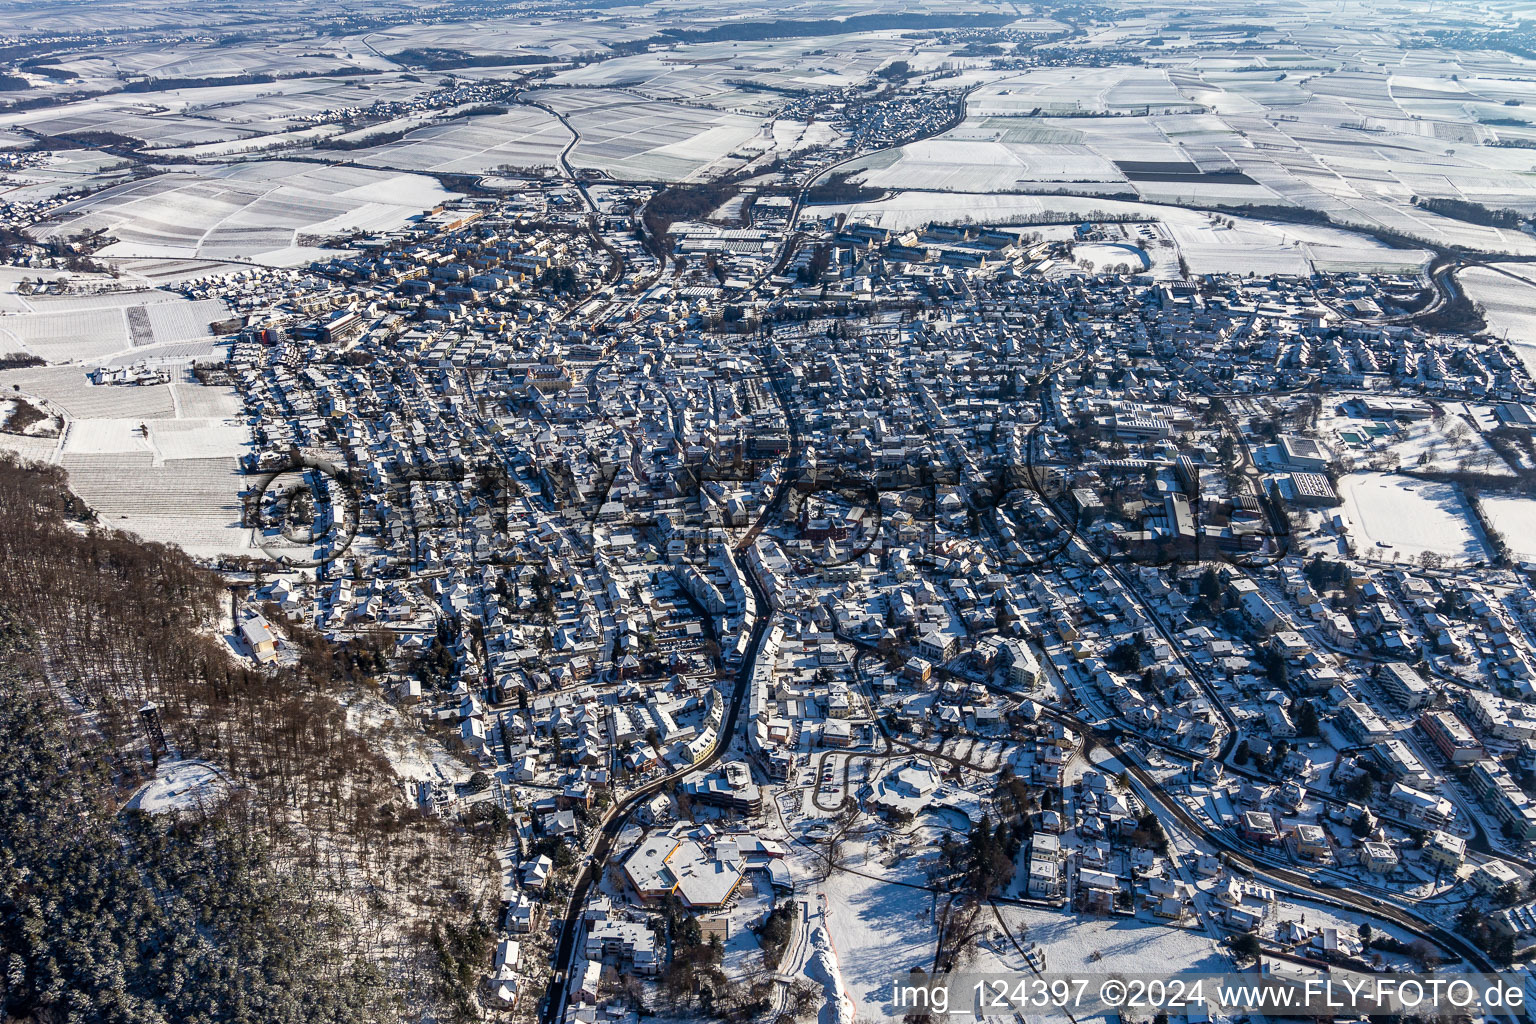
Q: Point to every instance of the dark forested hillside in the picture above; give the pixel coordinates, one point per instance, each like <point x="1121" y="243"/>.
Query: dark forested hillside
<point x="309" y="895"/>
<point x="124" y="917"/>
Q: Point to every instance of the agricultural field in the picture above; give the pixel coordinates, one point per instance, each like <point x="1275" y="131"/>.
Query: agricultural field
<point x="210" y="59"/>
<point x="138" y="122"/>
<point x="632" y="138"/>
<point x="202" y="120"/>
<point x="193" y="503"/>
<point x="948" y="164"/>
<point x="109" y="328"/>
<point x="745" y="77"/>
<point x="1300" y="115"/>
<point x="64" y="172"/>
<point x="66" y="389"/>
<point x="790" y="135"/>
<point x="290" y="103"/>
<point x="1507" y="293"/>
<point x="268" y="212"/>
<point x="1358" y="146"/>
<point x="1065" y="91"/>
<point x="157" y="460"/>
<point x="523" y="138"/>
<point x="511" y="36"/>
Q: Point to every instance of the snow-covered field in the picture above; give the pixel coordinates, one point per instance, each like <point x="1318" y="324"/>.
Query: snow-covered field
<point x="1514" y="518"/>
<point x="193" y="502"/>
<point x="167" y="440"/>
<point x="181" y="786"/>
<point x="254" y="211"/>
<point x="525" y="137"/>
<point x="879" y="930"/>
<point x="1078" y="90"/>
<point x="1396" y="519"/>
<point x="1212" y="138"/>
<point x="106" y="329"/>
<point x="712" y="72"/>
<point x="956" y="165"/>
<point x="1103" y="255"/>
<point x="137" y="120"/>
<point x="159" y="460"/>
<point x="1508" y="294"/>
<point x="1082" y="944"/>
<point x="67" y="388"/>
<point x="628" y="137"/>
<point x="1250" y="244"/>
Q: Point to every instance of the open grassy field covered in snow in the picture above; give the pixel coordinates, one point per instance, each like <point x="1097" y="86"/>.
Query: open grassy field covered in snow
<point x="1398" y="518"/>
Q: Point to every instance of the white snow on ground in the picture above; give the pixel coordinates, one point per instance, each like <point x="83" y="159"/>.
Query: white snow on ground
<point x="1084" y="945"/>
<point x="1105" y="254"/>
<point x="1263" y="246"/>
<point x="111" y="328"/>
<point x="880" y="930"/>
<point x="32" y="449"/>
<point x="792" y="135"/>
<point x="1443" y="444"/>
<point x="197" y="439"/>
<point x="1396" y="518"/>
<point x="1515" y="518"/>
<point x="91" y="437"/>
<point x="181" y="786"/>
<point x="193" y="503"/>
<point x="1508" y="296"/>
<point x="1093" y="948"/>
<point x="259" y="210"/>
<point x="201" y="401"/>
<point x="823" y="966"/>
<point x="412" y="754"/>
<point x="157" y="460"/>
